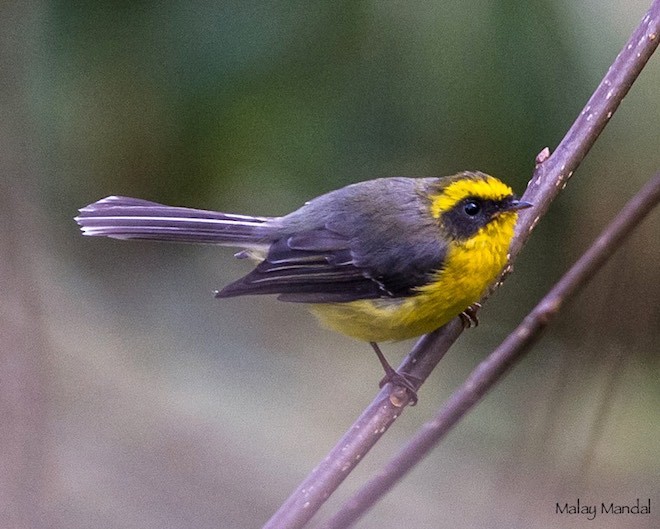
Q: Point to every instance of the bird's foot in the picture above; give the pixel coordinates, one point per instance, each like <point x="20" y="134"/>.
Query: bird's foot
<point x="469" y="316"/>
<point x="408" y="382"/>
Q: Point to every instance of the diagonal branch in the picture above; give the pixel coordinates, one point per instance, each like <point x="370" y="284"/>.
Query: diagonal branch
<point x="496" y="365"/>
<point x="550" y="177"/>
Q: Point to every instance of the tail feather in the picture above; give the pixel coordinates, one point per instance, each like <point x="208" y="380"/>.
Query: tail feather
<point x="132" y="218"/>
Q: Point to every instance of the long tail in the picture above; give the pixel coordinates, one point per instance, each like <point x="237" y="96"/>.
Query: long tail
<point x="132" y="218"/>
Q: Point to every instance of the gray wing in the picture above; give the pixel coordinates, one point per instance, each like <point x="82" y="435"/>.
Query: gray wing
<point x="312" y="267"/>
<point x="362" y="249"/>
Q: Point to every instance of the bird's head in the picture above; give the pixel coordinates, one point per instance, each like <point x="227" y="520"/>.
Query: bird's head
<point x="470" y="202"/>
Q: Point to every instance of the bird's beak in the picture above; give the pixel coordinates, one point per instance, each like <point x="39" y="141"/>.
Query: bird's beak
<point x="515" y="205"/>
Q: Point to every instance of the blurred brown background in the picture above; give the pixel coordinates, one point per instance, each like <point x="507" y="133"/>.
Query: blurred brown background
<point x="130" y="398"/>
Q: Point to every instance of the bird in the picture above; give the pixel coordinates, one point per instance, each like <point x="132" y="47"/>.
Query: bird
<point x="381" y="260"/>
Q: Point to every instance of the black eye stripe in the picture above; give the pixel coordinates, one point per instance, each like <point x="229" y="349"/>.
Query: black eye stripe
<point x="469" y="215"/>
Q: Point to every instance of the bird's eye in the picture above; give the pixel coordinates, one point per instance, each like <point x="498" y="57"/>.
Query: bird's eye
<point x="472" y="208"/>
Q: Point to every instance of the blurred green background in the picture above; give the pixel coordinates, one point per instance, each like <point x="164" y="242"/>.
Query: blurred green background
<point x="133" y="399"/>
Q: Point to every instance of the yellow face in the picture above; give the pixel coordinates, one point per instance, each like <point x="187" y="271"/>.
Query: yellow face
<point x="474" y="209"/>
<point x="487" y="188"/>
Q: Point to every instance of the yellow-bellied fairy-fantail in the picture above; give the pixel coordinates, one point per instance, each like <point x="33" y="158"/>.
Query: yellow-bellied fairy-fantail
<point x="386" y="259"/>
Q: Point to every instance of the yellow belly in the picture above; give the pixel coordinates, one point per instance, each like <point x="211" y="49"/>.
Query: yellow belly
<point x="469" y="268"/>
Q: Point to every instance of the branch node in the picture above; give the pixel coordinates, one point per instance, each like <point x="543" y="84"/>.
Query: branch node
<point x="547" y="311"/>
<point x="542" y="156"/>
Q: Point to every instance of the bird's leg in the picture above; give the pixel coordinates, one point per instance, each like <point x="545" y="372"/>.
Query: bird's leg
<point x="391" y="375"/>
<point x="469" y="316"/>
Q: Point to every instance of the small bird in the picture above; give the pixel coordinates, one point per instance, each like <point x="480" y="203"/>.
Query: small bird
<point x="386" y="259"/>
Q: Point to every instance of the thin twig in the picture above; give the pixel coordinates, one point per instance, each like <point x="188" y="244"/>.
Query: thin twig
<point x="511" y="351"/>
<point x="550" y="177"/>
